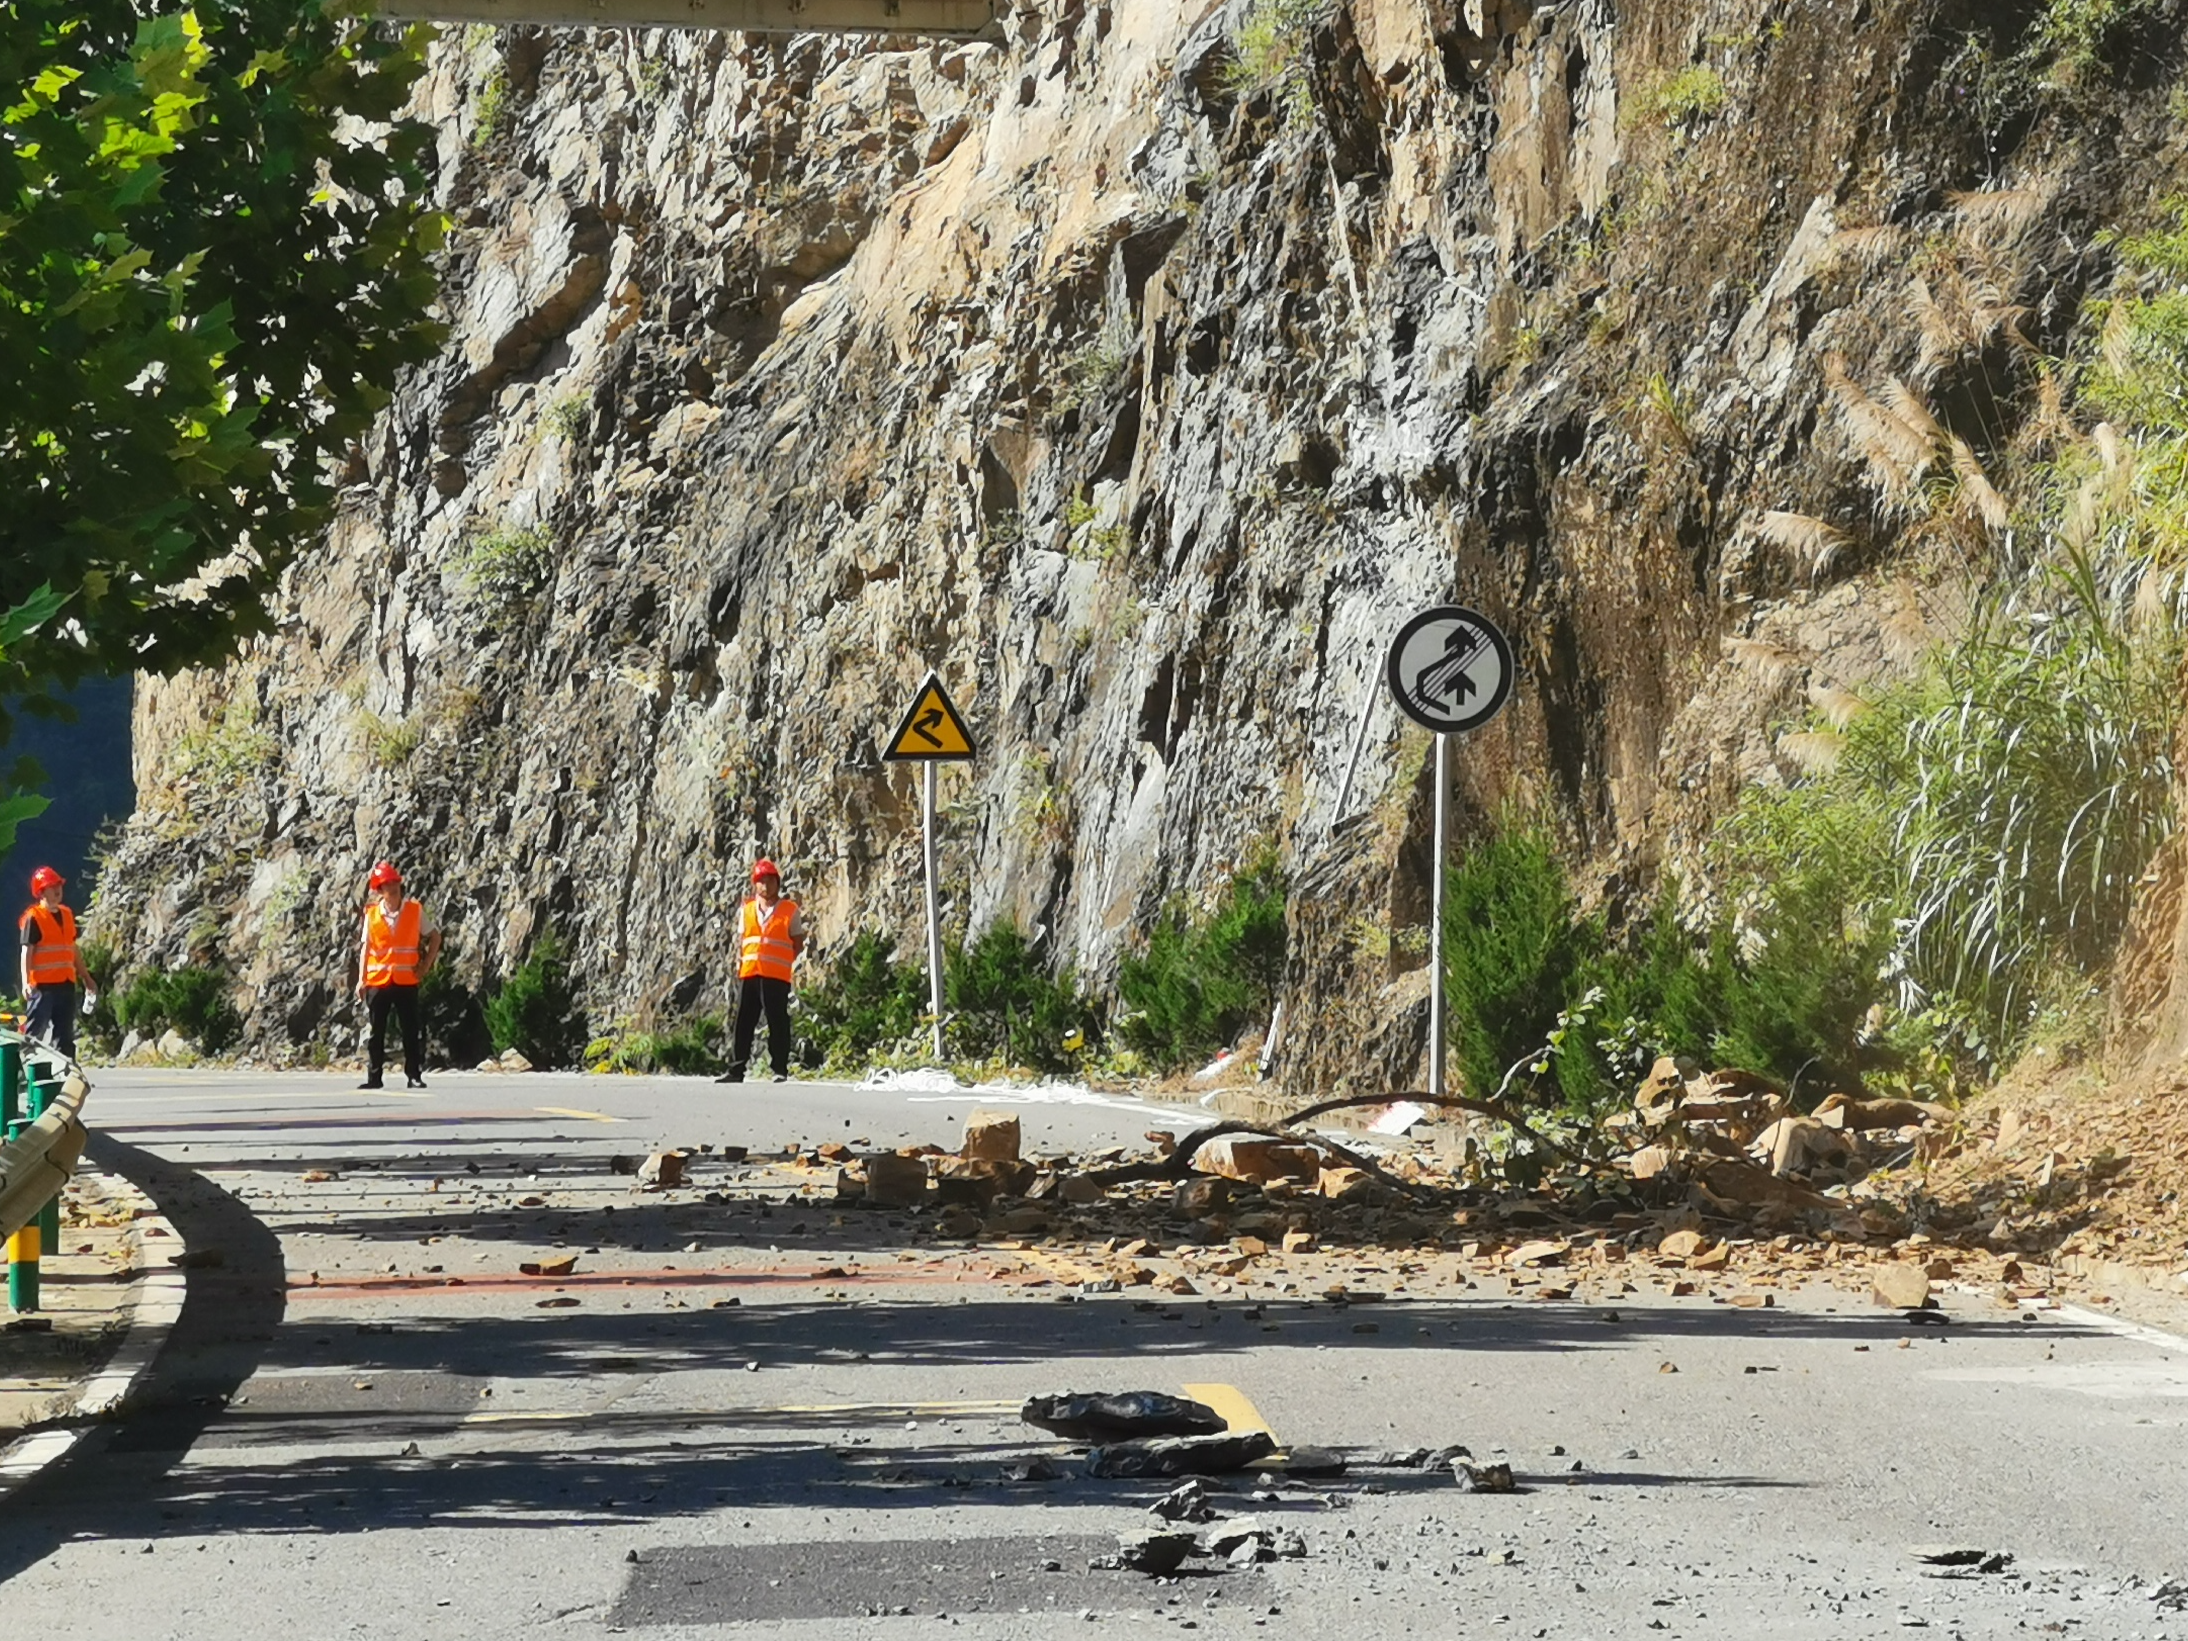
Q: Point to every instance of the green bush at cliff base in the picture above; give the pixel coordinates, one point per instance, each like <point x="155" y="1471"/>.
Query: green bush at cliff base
<point x="1786" y="1001"/>
<point x="1514" y="950"/>
<point x="1003" y="1007"/>
<point x="1199" y="984"/>
<point x="536" y="1011"/>
<point x="193" y="1002"/>
<point x="454" y="1020"/>
<point x="867" y="1004"/>
<point x="685" y="1050"/>
<point x="1005" y="1004"/>
<point x="99" y="1029"/>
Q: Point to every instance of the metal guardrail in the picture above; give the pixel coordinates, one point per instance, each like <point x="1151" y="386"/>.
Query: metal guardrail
<point x="42" y="1094"/>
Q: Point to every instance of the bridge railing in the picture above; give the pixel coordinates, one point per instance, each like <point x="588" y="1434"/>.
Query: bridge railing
<point x="42" y="1093"/>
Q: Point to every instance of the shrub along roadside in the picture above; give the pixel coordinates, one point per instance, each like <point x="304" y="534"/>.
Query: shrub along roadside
<point x="1199" y="984"/>
<point x="454" y="1020"/>
<point x="1005" y="1004"/>
<point x="536" y="1011"/>
<point x="1002" y="1003"/>
<point x="191" y="1001"/>
<point x="867" y="1005"/>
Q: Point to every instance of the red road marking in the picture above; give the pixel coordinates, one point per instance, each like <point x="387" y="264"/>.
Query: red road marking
<point x="361" y="1287"/>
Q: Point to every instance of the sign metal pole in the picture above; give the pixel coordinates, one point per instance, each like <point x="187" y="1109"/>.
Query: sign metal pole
<point x="1436" y="1029"/>
<point x="934" y="905"/>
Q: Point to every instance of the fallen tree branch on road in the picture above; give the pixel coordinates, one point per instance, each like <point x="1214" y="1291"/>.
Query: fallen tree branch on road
<point x="1496" y="1110"/>
<point x="1178" y="1165"/>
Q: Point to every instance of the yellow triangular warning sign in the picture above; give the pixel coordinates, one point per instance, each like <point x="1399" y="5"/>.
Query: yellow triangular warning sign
<point x="932" y="728"/>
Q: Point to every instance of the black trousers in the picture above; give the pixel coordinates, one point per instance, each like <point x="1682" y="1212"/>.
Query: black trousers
<point x="404" y="1001"/>
<point x="755" y="992"/>
<point x="53" y="1017"/>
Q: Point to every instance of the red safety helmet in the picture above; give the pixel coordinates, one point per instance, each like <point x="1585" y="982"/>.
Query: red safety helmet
<point x="384" y="874"/>
<point x="766" y="868"/>
<point x="45" y="878"/>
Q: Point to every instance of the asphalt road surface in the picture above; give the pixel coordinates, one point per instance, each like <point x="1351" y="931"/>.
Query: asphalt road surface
<point x="751" y="1410"/>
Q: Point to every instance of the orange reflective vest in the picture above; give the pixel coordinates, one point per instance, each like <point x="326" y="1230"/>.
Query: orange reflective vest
<point x="53" y="958"/>
<point x="391" y="950"/>
<point x="767" y="950"/>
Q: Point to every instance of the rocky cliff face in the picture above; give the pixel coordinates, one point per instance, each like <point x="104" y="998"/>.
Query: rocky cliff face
<point x="1140" y="375"/>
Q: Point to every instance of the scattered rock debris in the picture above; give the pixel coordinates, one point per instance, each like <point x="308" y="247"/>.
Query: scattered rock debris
<point x="1188" y="1501"/>
<point x="1483" y="1478"/>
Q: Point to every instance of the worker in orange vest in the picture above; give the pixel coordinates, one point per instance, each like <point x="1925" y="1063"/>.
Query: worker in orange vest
<point x="771" y="933"/>
<point x="398" y="952"/>
<point x="52" y="966"/>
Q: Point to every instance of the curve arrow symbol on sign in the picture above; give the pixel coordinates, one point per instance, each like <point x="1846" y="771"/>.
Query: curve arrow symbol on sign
<point x="928" y="722"/>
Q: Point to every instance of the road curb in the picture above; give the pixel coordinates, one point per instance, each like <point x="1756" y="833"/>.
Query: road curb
<point x="150" y="1317"/>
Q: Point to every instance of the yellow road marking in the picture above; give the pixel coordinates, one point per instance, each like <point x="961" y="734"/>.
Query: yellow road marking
<point x="900" y="1410"/>
<point x="398" y="1093"/>
<point x="581" y="1116"/>
<point x="730" y="1415"/>
<point x="1230" y="1403"/>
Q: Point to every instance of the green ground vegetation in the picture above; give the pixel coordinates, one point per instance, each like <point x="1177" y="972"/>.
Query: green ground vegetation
<point x="1677" y="100"/>
<point x="685" y="1048"/>
<point x="1272" y="54"/>
<point x="500" y="572"/>
<point x="869" y="1006"/>
<point x="1007" y="1005"/>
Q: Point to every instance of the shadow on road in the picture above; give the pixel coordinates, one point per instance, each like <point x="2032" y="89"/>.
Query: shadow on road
<point x="214" y="1347"/>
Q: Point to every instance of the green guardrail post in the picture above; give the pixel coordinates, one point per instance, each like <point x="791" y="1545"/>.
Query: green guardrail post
<point x="43" y="1092"/>
<point x="23" y="1250"/>
<point x="11" y="1081"/>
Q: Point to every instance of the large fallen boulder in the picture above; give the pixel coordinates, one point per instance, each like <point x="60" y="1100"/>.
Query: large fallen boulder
<point x="1182" y="1455"/>
<point x="1120" y="1416"/>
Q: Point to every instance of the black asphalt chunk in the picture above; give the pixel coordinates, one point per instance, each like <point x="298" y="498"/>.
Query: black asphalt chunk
<point x="710" y="1584"/>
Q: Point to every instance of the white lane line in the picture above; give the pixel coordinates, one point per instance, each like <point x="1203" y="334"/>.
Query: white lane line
<point x="1182" y="1116"/>
<point x="2124" y="1328"/>
<point x="108" y="1100"/>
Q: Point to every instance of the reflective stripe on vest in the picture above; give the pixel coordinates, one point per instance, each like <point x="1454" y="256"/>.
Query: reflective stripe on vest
<point x="53" y="958"/>
<point x="766" y="949"/>
<point x="391" y="953"/>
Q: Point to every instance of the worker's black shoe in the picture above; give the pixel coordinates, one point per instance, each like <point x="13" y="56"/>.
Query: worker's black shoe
<point x="372" y="1082"/>
<point x="414" y="1082"/>
<point x="781" y="1077"/>
<point x="731" y="1077"/>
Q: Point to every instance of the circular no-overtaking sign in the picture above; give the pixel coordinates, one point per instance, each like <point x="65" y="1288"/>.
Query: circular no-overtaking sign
<point x="1450" y="669"/>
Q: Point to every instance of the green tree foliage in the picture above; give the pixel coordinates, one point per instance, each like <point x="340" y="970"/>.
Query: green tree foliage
<point x="1199" y="984"/>
<point x="535" y="1011"/>
<point x="214" y="260"/>
<point x="38" y="606"/>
